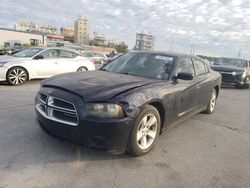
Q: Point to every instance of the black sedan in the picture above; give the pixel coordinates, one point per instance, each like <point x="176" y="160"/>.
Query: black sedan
<point x="129" y="102"/>
<point x="235" y="72"/>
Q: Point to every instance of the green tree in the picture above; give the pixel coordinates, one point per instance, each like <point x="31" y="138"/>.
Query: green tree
<point x="121" y="47"/>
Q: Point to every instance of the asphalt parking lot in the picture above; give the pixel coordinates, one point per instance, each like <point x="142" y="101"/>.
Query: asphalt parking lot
<point x="205" y="151"/>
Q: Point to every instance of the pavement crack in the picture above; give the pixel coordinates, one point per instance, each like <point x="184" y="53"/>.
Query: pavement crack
<point x="223" y="125"/>
<point x="14" y="107"/>
<point x="44" y="165"/>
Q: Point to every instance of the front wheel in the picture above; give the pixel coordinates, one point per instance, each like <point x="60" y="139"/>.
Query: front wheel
<point x="82" y="69"/>
<point x="17" y="76"/>
<point x="145" y="131"/>
<point x="212" y="103"/>
<point x="244" y="86"/>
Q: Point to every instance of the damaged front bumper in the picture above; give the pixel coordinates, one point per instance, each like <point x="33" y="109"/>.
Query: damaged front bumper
<point x="111" y="136"/>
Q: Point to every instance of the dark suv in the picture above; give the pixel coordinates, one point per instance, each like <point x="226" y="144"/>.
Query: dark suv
<point x="235" y="72"/>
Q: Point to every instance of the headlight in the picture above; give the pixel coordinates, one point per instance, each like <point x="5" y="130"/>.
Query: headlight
<point x="105" y="110"/>
<point x="244" y="74"/>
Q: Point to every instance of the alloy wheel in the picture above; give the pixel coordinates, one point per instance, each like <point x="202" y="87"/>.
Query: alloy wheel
<point x="82" y="69"/>
<point x="147" y="131"/>
<point x="17" y="76"/>
<point x="213" y="101"/>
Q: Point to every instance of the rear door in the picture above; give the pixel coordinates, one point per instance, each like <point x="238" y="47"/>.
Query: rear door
<point x="203" y="80"/>
<point x="48" y="66"/>
<point x="68" y="61"/>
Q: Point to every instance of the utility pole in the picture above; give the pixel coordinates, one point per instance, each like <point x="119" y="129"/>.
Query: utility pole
<point x="192" y="50"/>
<point x="239" y="53"/>
<point x="171" y="44"/>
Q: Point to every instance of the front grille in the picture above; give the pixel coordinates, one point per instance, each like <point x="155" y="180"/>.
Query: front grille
<point x="227" y="77"/>
<point x="57" y="109"/>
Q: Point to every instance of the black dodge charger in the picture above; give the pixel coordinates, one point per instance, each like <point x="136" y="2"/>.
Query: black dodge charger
<point x="126" y="104"/>
<point x="235" y="72"/>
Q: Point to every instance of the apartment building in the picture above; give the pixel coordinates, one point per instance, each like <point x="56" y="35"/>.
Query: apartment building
<point x="82" y="30"/>
<point x="144" y="42"/>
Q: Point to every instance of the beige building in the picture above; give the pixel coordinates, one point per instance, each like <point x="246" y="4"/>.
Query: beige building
<point x="68" y="34"/>
<point x="33" y="27"/>
<point x="82" y="29"/>
<point x="55" y="38"/>
<point x="10" y="38"/>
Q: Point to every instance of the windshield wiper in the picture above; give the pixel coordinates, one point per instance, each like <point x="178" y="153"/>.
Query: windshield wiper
<point x="127" y="73"/>
<point x="102" y="69"/>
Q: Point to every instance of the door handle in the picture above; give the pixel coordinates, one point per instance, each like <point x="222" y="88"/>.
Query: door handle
<point x="56" y="63"/>
<point x="198" y="86"/>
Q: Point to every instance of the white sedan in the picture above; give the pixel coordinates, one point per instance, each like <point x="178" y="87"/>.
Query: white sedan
<point x="40" y="62"/>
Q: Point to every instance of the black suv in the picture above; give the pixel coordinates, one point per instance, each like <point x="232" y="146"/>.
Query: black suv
<point x="235" y="72"/>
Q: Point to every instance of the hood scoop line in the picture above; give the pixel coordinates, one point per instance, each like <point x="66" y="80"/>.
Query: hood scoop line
<point x="61" y="88"/>
<point x="117" y="94"/>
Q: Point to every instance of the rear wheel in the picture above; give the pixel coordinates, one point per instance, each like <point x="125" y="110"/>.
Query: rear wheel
<point x="212" y="102"/>
<point x="145" y="131"/>
<point x="81" y="69"/>
<point x="17" y="76"/>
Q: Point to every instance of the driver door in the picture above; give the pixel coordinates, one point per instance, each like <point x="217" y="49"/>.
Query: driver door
<point x="48" y="66"/>
<point x="189" y="92"/>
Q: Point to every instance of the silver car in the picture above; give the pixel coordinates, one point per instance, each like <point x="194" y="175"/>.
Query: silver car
<point x="97" y="57"/>
<point x="38" y="62"/>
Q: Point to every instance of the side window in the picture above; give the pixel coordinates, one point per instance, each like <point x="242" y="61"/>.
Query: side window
<point x="67" y="54"/>
<point x="199" y="67"/>
<point x="50" y="54"/>
<point x="86" y="54"/>
<point x="185" y="65"/>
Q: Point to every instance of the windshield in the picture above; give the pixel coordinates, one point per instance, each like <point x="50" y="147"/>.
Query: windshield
<point x="28" y="52"/>
<point x="230" y="62"/>
<point x="145" y="65"/>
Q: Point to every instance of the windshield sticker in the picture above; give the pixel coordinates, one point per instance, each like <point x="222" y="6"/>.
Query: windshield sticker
<point x="164" y="58"/>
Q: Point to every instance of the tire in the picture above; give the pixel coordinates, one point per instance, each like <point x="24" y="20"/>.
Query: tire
<point x="142" y="139"/>
<point x="17" y="76"/>
<point x="82" y="69"/>
<point x="211" y="103"/>
<point x="244" y="86"/>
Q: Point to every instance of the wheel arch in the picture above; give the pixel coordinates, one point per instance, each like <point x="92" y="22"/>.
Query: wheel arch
<point x="82" y="66"/>
<point x="160" y="108"/>
<point x="217" y="89"/>
<point x="18" y="66"/>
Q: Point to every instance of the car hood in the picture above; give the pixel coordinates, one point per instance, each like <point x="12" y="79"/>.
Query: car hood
<point x="223" y="68"/>
<point x="96" y="85"/>
<point x="5" y="59"/>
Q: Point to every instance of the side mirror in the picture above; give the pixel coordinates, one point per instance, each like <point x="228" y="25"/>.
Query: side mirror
<point x="185" y="76"/>
<point x="38" y="57"/>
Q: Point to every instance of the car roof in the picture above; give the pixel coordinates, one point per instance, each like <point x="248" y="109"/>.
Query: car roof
<point x="96" y="52"/>
<point x="57" y="48"/>
<point x="173" y="54"/>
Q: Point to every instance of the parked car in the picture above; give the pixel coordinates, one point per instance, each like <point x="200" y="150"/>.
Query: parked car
<point x="129" y="102"/>
<point x="235" y="72"/>
<point x="116" y="56"/>
<point x="40" y="62"/>
<point x="3" y="51"/>
<point x="98" y="58"/>
<point x="10" y="51"/>
<point x="13" y="51"/>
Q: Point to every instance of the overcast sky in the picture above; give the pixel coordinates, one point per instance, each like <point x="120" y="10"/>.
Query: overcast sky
<point x="213" y="27"/>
